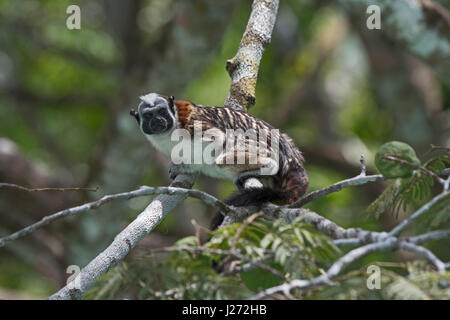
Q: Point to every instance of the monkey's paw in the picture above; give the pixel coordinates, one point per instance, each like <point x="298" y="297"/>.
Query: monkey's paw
<point x="176" y="169"/>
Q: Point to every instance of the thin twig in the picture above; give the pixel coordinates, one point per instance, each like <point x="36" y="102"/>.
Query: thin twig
<point x="355" y="181"/>
<point x="434" y="235"/>
<point x="244" y="225"/>
<point x="4" y="185"/>
<point x="427" y="206"/>
<point x="252" y="264"/>
<point x="433" y="148"/>
<point x="328" y="227"/>
<point x="143" y="191"/>
<point x="362" y="160"/>
<point x="393" y="157"/>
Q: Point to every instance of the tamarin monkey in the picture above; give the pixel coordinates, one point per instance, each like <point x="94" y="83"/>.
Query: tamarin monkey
<point x="284" y="178"/>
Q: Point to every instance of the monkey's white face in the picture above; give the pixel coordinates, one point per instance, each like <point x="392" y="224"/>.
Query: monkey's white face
<point x="155" y="114"/>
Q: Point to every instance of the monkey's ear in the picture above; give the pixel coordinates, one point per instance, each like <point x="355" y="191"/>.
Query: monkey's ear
<point x="135" y="115"/>
<point x="171" y="104"/>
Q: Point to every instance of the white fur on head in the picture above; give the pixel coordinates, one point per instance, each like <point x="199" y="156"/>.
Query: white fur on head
<point x="150" y="98"/>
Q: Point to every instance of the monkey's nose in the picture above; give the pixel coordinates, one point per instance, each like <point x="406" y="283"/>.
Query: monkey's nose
<point x="158" y="123"/>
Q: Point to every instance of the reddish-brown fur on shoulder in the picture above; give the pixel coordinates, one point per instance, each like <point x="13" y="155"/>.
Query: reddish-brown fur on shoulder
<point x="185" y="109"/>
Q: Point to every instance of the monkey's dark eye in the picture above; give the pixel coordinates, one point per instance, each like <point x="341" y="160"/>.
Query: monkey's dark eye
<point x="162" y="112"/>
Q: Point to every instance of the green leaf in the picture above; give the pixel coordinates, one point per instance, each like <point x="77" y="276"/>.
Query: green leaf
<point x="403" y="289"/>
<point x="257" y="279"/>
<point x="190" y="241"/>
<point x="392" y="169"/>
<point x="386" y="200"/>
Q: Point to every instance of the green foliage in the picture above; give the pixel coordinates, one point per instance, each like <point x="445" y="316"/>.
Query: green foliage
<point x="436" y="217"/>
<point x="294" y="250"/>
<point x="392" y="169"/>
<point x="421" y="283"/>
<point x="386" y="199"/>
<point x="257" y="279"/>
<point x="402" y="193"/>
<point x="411" y="281"/>
<point x="413" y="192"/>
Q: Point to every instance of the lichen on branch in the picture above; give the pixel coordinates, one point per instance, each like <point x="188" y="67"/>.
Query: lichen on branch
<point x="243" y="67"/>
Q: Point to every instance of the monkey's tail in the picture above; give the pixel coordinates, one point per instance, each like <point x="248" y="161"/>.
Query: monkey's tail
<point x="296" y="181"/>
<point x="248" y="197"/>
<point x="295" y="184"/>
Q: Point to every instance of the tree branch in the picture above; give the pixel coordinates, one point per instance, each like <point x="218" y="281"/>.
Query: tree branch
<point x="142" y="191"/>
<point x="360" y="179"/>
<point x="146" y="221"/>
<point x="434" y="235"/>
<point x="243" y="68"/>
<point x="400" y="227"/>
<point x="425" y="253"/>
<point x="22" y="188"/>
<point x="395" y="158"/>
<point x="352" y="182"/>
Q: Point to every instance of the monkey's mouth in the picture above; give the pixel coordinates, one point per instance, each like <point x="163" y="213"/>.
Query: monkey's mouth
<point x="154" y="126"/>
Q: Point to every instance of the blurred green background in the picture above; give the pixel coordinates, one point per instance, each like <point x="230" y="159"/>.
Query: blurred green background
<point x="338" y="89"/>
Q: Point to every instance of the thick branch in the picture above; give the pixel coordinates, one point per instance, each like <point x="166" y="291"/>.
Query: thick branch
<point x="328" y="227"/>
<point x="243" y="68"/>
<point x="427" y="254"/>
<point x="125" y="240"/>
